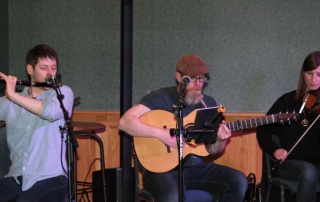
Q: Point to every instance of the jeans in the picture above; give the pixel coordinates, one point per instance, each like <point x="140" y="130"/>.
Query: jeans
<point x="221" y="182"/>
<point x="50" y="190"/>
<point x="306" y="174"/>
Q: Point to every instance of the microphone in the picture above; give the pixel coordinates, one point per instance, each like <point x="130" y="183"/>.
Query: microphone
<point x="186" y="80"/>
<point x="51" y="80"/>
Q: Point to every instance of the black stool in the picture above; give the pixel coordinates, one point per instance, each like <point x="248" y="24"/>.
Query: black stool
<point x="85" y="129"/>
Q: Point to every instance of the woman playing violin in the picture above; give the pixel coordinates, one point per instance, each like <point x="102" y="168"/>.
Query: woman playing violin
<point x="302" y="163"/>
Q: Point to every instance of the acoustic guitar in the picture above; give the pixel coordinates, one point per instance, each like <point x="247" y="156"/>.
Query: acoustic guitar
<point x="152" y="153"/>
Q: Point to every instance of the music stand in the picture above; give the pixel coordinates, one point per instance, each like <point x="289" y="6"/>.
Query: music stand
<point x="206" y="125"/>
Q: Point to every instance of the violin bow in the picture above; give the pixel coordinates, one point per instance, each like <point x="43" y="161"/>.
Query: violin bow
<point x="305" y="132"/>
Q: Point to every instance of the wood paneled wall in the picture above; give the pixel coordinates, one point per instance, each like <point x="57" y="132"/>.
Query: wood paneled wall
<point x="242" y="152"/>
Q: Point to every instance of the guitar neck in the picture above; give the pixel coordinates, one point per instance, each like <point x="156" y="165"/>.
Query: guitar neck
<point x="249" y="123"/>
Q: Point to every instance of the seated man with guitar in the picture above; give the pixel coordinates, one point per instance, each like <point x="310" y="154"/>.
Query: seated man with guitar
<point x="221" y="182"/>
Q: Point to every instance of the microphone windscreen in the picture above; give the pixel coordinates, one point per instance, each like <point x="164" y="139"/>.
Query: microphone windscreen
<point x="186" y="80"/>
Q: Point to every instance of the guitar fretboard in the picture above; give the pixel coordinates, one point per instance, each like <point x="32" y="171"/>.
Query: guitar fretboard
<point x="258" y="121"/>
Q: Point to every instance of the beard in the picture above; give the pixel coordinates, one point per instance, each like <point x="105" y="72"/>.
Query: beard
<point x="193" y="97"/>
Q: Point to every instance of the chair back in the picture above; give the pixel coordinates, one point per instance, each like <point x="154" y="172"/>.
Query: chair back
<point x="269" y="180"/>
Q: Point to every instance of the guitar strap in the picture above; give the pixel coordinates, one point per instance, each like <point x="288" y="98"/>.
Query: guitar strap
<point x="203" y="103"/>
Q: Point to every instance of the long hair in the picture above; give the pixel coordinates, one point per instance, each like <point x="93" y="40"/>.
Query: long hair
<point x="311" y="62"/>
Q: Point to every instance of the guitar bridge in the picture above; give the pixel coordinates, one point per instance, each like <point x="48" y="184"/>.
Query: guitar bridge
<point x="168" y="149"/>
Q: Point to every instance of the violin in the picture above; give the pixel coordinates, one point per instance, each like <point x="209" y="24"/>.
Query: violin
<point x="313" y="100"/>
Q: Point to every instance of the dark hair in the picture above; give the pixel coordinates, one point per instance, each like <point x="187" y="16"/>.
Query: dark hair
<point x="311" y="62"/>
<point x="40" y="51"/>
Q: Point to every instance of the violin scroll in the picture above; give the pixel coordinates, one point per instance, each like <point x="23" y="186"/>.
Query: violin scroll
<point x="312" y="101"/>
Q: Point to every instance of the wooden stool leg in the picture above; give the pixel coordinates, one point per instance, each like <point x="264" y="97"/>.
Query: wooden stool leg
<point x="98" y="139"/>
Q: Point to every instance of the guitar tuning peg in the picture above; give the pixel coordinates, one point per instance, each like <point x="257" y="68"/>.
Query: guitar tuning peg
<point x="294" y="118"/>
<point x="288" y="119"/>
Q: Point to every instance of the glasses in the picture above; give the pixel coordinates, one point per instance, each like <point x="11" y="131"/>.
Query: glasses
<point x="201" y="79"/>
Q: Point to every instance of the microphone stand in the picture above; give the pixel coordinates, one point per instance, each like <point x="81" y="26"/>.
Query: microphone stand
<point x="71" y="142"/>
<point x="180" y="131"/>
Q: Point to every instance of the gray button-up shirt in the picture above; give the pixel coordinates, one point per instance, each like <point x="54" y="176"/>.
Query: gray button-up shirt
<point x="35" y="143"/>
